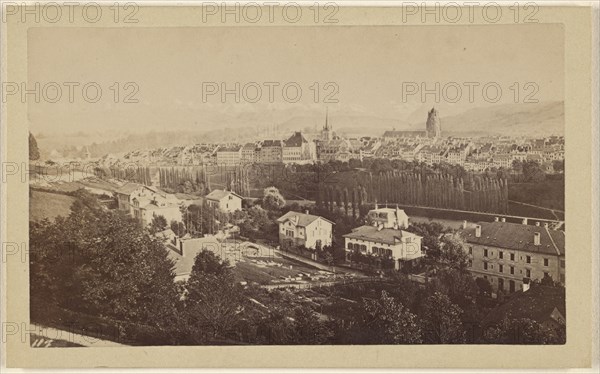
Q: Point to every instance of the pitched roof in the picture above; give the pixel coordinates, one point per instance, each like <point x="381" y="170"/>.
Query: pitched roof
<point x="296" y="140"/>
<point x="300" y="219"/>
<point x="220" y="194"/>
<point x="518" y="237"/>
<point x="235" y="148"/>
<point x="271" y="143"/>
<point x="165" y="234"/>
<point x="373" y="234"/>
<point x="537" y="303"/>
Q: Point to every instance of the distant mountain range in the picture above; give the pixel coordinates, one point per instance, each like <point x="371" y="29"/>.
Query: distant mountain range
<point x="541" y="119"/>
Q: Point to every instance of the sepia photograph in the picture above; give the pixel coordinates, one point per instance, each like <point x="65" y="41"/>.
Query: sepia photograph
<point x="291" y="179"/>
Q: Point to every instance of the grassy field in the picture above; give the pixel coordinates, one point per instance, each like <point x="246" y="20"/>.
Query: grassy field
<point x="48" y="205"/>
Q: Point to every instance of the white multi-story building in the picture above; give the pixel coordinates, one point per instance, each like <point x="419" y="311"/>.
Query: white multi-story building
<point x="145" y="202"/>
<point x="385" y="237"/>
<point x="229" y="156"/>
<point x="303" y="229"/>
<point x="226" y="201"/>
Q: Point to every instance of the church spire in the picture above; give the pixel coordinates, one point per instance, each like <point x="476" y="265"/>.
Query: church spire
<point x="327" y="119"/>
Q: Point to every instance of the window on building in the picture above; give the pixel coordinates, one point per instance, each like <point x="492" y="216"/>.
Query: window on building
<point x="470" y="250"/>
<point x="363" y="248"/>
<point x="545" y="262"/>
<point x="512" y="256"/>
<point x="546" y="274"/>
<point x="528" y="273"/>
<point x="470" y="263"/>
<point x="501" y="268"/>
<point x="500" y="255"/>
<point x="528" y="259"/>
<point x="485" y="266"/>
<point x="512" y="270"/>
<point x="289" y="233"/>
<point x="485" y="253"/>
<point x="350" y="246"/>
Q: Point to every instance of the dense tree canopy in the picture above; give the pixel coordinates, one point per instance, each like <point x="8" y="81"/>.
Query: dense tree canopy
<point x="523" y="331"/>
<point x="387" y="321"/>
<point x="442" y="320"/>
<point x="272" y="199"/>
<point x="102" y="263"/>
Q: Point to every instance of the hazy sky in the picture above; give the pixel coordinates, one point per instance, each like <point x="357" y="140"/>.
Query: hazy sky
<point x="368" y="64"/>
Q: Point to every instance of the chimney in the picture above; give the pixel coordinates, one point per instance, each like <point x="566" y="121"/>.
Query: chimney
<point x="306" y="211"/>
<point x="376" y="205"/>
<point x="537" y="223"/>
<point x="526" y="284"/>
<point x="503" y="219"/>
<point x="478" y="231"/>
<point x="546" y="224"/>
<point x="524" y="221"/>
<point x="496" y="219"/>
<point x="379" y="227"/>
<point x="536" y="238"/>
<point x="464" y="224"/>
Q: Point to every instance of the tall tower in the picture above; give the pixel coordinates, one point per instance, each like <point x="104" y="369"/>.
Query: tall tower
<point x="326" y="132"/>
<point x="434" y="125"/>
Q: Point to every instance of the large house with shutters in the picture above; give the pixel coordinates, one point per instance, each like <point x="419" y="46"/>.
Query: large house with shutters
<point x="226" y="201"/>
<point x="144" y="202"/>
<point x="510" y="255"/>
<point x="303" y="229"/>
<point x="385" y="237"/>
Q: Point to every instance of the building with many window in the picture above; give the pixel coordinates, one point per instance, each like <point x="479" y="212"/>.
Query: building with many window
<point x="384" y="237"/>
<point x="509" y="255"/>
<point x="271" y="151"/>
<point x="298" y="150"/>
<point x="229" y="156"/>
<point x="249" y="153"/>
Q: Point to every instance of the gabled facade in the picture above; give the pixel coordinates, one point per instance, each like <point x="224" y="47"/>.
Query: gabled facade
<point x="226" y="201"/>
<point x="303" y="229"/>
